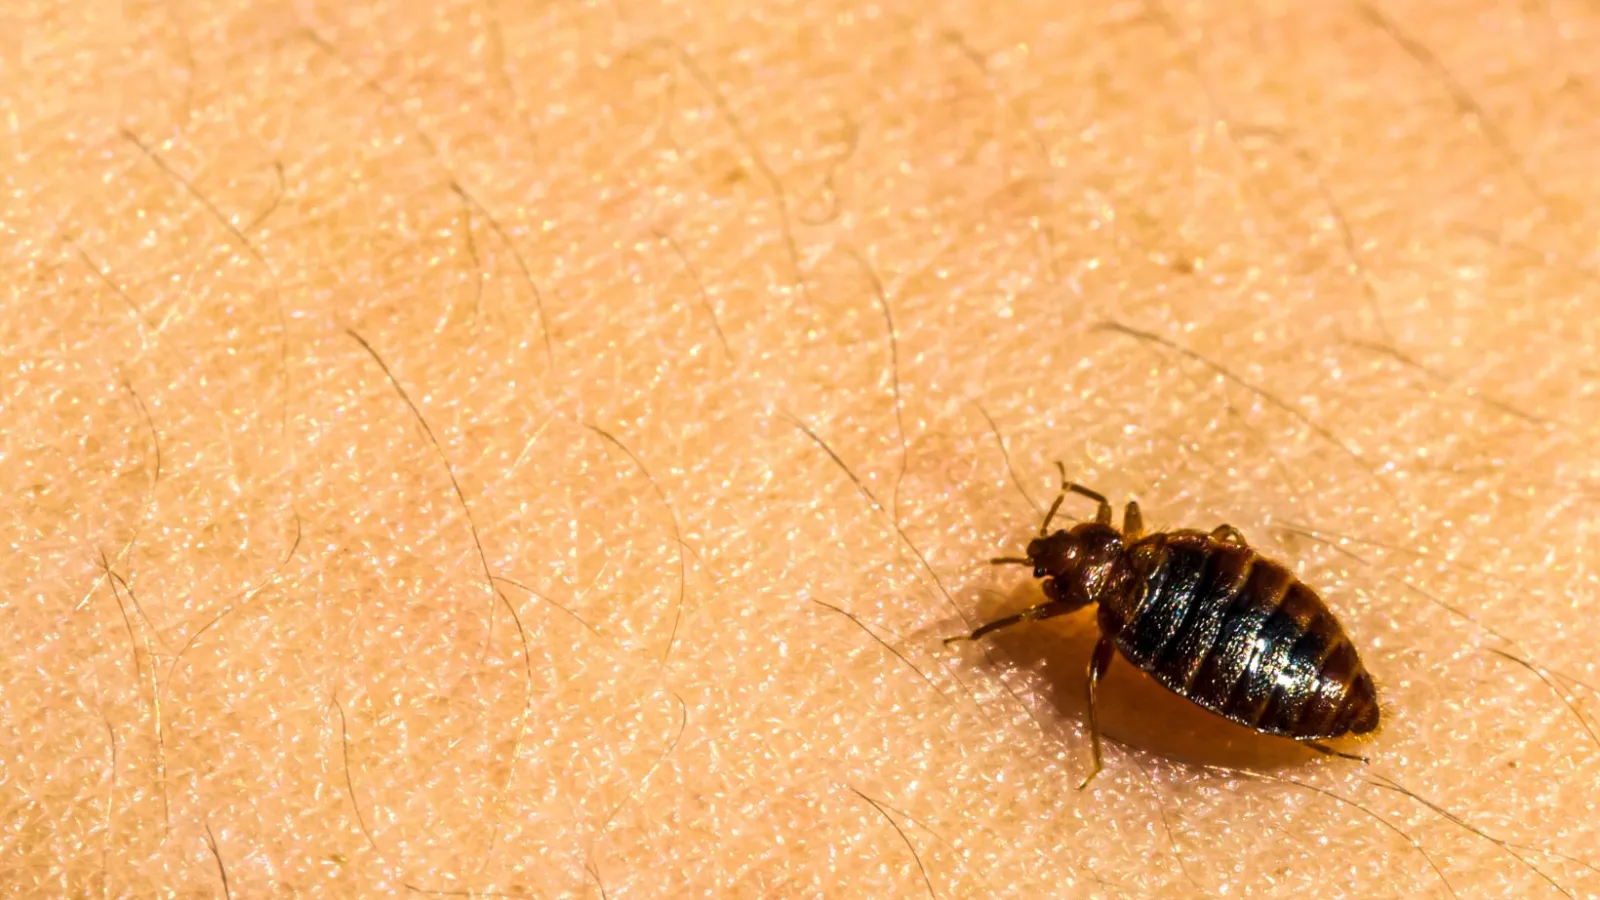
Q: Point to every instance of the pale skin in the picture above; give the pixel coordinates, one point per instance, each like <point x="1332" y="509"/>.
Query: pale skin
<point x="506" y="450"/>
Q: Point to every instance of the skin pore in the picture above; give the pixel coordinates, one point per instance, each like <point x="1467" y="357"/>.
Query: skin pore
<point x="536" y="450"/>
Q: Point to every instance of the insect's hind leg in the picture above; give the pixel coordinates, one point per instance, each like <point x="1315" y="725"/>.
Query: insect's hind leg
<point x="1229" y="534"/>
<point x="1325" y="750"/>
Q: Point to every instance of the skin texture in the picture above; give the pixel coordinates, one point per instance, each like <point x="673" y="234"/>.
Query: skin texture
<point x="495" y="418"/>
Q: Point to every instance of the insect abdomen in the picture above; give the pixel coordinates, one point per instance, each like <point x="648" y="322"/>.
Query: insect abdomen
<point x="1239" y="635"/>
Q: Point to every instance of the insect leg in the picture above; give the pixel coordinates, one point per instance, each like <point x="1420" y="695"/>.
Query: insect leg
<point x="1325" y="750"/>
<point x="1132" y="521"/>
<point x="1229" y="534"/>
<point x="1045" y="610"/>
<point x="1098" y="663"/>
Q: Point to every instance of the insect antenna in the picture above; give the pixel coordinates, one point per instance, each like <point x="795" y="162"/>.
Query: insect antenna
<point x="1044" y="527"/>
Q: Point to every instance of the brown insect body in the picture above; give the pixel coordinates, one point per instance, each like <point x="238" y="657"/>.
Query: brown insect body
<point x="1210" y="618"/>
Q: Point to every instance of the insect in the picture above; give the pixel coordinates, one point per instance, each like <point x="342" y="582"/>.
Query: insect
<point x="1210" y="618"/>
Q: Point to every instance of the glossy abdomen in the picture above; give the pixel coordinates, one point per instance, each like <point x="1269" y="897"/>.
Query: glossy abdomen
<point x="1239" y="635"/>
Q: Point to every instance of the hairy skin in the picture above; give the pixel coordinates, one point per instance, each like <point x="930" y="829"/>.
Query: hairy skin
<point x="497" y="449"/>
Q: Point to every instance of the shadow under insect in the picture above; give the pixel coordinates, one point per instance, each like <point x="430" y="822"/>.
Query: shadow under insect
<point x="1133" y="708"/>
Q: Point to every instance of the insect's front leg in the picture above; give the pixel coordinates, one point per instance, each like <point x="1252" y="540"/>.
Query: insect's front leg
<point x="1045" y="610"/>
<point x="1057" y="603"/>
<point x="1098" y="663"/>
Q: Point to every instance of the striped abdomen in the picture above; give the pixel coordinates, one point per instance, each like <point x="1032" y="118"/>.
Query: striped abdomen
<point x="1238" y="634"/>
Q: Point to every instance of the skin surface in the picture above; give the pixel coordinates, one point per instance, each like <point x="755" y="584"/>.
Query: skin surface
<point x="494" y="419"/>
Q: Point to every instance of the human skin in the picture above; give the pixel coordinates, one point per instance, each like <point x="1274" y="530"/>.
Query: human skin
<point x="737" y="333"/>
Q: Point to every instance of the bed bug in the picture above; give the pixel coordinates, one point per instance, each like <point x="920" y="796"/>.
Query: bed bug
<point x="1210" y="618"/>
